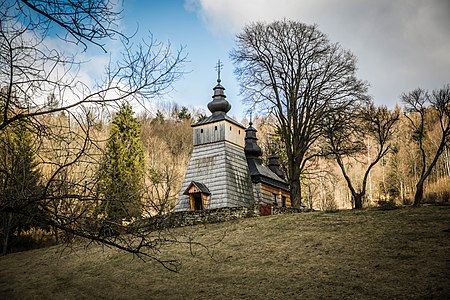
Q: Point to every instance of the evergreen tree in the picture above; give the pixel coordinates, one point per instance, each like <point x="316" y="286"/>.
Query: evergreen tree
<point x="19" y="184"/>
<point x="159" y="117"/>
<point x="121" y="175"/>
<point x="184" y="114"/>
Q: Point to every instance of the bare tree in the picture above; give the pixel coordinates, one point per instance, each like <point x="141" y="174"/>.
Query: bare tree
<point x="82" y="22"/>
<point x="422" y="109"/>
<point x="31" y="72"/>
<point x="345" y="134"/>
<point x="39" y="81"/>
<point x="320" y="187"/>
<point x="294" y="71"/>
<point x="168" y="144"/>
<point x="160" y="196"/>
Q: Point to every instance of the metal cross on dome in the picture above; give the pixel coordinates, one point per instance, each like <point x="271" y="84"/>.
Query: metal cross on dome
<point x="218" y="67"/>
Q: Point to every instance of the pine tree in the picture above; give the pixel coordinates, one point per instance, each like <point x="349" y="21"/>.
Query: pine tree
<point x="184" y="114"/>
<point x="19" y="184"/>
<point x="121" y="175"/>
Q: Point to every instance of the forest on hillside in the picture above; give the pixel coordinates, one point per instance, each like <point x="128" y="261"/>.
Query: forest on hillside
<point x="78" y="160"/>
<point x="72" y="169"/>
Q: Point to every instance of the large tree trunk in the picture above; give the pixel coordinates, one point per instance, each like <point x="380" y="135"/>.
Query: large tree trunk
<point x="5" y="241"/>
<point x="357" y="198"/>
<point x="6" y="234"/>
<point x="296" y="192"/>
<point x="419" y="193"/>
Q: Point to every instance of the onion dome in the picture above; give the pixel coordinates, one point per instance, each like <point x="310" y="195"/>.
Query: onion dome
<point x="274" y="165"/>
<point x="219" y="105"/>
<point x="251" y="147"/>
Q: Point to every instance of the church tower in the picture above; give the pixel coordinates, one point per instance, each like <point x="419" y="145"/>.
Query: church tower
<point x="217" y="175"/>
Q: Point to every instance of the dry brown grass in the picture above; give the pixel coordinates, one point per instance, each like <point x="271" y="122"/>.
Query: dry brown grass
<point x="438" y="192"/>
<point x="397" y="254"/>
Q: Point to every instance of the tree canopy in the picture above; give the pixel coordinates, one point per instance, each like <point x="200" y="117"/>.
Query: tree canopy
<point x="292" y="70"/>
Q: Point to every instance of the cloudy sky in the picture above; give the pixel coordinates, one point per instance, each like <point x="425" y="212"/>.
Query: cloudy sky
<point x="400" y="44"/>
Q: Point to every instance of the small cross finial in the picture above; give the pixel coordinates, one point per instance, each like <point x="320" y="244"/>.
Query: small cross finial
<point x="218" y="67"/>
<point x="250" y="123"/>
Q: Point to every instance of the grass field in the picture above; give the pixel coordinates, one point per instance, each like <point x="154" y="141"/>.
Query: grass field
<point x="372" y="254"/>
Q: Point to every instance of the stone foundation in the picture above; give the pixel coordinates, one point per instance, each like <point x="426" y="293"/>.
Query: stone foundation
<point x="190" y="218"/>
<point x="285" y="210"/>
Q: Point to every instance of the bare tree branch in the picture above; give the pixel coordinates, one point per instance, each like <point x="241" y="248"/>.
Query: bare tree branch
<point x="345" y="133"/>
<point x="292" y="70"/>
<point x="419" y="104"/>
<point x="40" y="87"/>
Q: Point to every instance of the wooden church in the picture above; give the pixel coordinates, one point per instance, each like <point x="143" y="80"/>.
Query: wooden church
<point x="226" y="169"/>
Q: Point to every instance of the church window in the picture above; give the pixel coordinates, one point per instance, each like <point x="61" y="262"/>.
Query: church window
<point x="283" y="201"/>
<point x="201" y="130"/>
<point x="215" y="127"/>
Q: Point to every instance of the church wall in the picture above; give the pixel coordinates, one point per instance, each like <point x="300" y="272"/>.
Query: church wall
<point x="257" y="192"/>
<point x="218" y="131"/>
<point x="264" y="193"/>
<point x="222" y="167"/>
<point x="234" y="134"/>
<point x="261" y="195"/>
<point x="288" y="198"/>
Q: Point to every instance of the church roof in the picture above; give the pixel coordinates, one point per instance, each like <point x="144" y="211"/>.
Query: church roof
<point x="258" y="171"/>
<point x="200" y="186"/>
<point x="216" y="117"/>
<point x="251" y="148"/>
<point x="261" y="173"/>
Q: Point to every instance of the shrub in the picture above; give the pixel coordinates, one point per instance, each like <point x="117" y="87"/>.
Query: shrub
<point x="386" y="205"/>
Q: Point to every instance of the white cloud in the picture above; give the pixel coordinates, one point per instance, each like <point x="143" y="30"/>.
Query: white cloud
<point x="400" y="45"/>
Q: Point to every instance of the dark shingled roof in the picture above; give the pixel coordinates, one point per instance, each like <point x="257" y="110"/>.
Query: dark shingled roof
<point x="199" y="186"/>
<point x="216" y="117"/>
<point x="261" y="173"/>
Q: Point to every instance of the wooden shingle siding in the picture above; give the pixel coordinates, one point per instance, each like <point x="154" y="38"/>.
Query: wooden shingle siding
<point x="222" y="168"/>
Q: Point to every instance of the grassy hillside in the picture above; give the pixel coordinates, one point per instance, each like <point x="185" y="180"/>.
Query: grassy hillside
<point x="402" y="253"/>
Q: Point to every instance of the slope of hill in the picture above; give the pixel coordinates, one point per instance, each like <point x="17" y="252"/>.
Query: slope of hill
<point x="402" y="254"/>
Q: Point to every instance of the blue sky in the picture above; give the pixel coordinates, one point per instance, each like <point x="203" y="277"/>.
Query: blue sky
<point x="400" y="45"/>
<point x="172" y="21"/>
